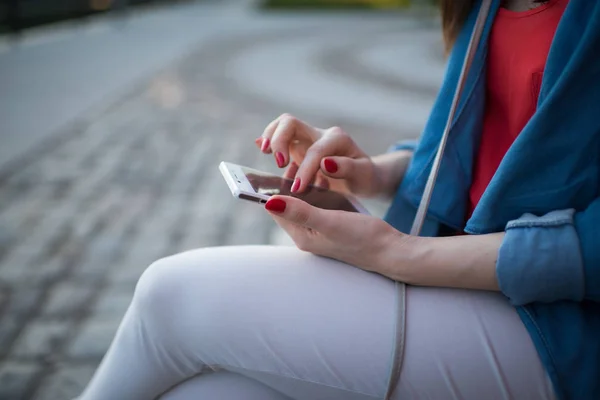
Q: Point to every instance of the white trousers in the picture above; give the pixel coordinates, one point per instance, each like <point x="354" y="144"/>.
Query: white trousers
<point x="276" y="323"/>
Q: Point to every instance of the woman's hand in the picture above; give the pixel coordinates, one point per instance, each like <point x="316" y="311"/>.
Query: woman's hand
<point x="325" y="157"/>
<point x="356" y="239"/>
<point x="466" y="261"/>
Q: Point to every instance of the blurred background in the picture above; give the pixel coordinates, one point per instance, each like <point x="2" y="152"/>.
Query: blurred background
<point x="114" y="115"/>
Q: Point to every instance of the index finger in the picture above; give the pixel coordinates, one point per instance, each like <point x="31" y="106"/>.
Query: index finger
<point x="328" y="145"/>
<point x="290" y="130"/>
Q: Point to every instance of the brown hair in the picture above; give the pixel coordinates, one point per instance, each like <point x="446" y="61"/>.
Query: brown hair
<point x="454" y="15"/>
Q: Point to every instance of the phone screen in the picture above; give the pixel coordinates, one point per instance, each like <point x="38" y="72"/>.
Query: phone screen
<point x="270" y="185"/>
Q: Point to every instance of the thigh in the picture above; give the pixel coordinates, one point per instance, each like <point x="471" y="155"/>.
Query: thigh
<point x="315" y="328"/>
<point x="463" y="344"/>
<point x="307" y="326"/>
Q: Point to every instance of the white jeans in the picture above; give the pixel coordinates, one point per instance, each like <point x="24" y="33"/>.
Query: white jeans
<point x="277" y="323"/>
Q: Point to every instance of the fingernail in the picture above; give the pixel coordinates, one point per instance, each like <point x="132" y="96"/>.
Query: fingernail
<point x="330" y="166"/>
<point x="279" y="159"/>
<point x="296" y="185"/>
<point x="265" y="145"/>
<point x="258" y="141"/>
<point x="275" y="205"/>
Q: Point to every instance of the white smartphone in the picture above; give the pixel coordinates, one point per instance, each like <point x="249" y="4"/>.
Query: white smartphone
<point x="257" y="186"/>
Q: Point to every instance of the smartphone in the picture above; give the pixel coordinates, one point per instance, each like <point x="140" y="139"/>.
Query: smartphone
<point x="257" y="186"/>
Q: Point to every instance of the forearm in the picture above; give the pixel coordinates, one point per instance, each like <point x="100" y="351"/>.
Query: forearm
<point x="390" y="169"/>
<point x="467" y="262"/>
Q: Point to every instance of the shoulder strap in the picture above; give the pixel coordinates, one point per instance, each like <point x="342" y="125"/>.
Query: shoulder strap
<point x="425" y="200"/>
<point x="471" y="50"/>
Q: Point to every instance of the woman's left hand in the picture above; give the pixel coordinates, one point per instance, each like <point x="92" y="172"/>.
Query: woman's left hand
<point x="357" y="239"/>
<point x="464" y="261"/>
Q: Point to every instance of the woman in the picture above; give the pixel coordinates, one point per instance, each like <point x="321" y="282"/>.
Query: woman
<point x="508" y="310"/>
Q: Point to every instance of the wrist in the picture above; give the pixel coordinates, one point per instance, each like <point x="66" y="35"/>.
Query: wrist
<point x="403" y="257"/>
<point x="389" y="170"/>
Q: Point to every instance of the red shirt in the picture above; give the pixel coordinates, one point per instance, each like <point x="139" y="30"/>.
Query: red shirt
<point x="518" y="47"/>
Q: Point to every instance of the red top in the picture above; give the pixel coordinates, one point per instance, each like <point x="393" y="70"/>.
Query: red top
<point x="518" y="47"/>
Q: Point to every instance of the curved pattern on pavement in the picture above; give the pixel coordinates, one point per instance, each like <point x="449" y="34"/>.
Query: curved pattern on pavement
<point x="322" y="74"/>
<point x="401" y="62"/>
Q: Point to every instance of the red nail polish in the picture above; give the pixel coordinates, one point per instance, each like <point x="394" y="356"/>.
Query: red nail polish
<point x="275" y="205"/>
<point x="330" y="166"/>
<point x="279" y="159"/>
<point x="296" y="185"/>
<point x="265" y="145"/>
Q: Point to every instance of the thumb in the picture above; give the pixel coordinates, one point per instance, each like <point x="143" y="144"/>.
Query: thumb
<point x="296" y="211"/>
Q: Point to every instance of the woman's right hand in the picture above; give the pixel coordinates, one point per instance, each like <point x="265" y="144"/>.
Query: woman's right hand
<point x="324" y="157"/>
<point x="329" y="158"/>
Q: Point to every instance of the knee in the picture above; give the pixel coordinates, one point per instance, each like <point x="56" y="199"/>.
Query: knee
<point x="181" y="292"/>
<point x="159" y="291"/>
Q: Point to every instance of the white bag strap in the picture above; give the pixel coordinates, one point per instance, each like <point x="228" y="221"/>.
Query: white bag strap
<point x="471" y="50"/>
<point x="426" y="199"/>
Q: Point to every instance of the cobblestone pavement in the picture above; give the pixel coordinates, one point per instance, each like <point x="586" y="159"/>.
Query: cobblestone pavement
<point x="82" y="219"/>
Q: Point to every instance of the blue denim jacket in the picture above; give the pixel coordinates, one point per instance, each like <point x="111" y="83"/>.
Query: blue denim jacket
<point x="545" y="195"/>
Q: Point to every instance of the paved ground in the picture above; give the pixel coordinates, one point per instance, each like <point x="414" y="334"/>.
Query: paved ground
<point x="134" y="180"/>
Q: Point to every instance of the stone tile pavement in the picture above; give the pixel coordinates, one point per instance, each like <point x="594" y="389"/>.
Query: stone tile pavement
<point x="81" y="220"/>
